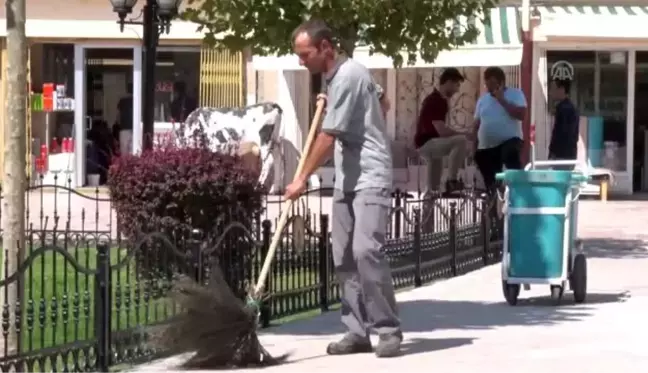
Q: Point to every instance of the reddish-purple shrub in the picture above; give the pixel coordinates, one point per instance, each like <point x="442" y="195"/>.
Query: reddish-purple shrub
<point x="174" y="191"/>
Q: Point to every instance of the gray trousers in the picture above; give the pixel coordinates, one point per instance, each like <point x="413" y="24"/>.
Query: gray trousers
<point x="358" y="231"/>
<point x="434" y="150"/>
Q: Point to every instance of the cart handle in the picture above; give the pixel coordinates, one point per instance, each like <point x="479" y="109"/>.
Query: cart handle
<point x="556" y="162"/>
<point x="579" y="177"/>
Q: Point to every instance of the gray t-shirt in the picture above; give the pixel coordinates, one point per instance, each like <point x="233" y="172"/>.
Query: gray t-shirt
<point x="362" y="148"/>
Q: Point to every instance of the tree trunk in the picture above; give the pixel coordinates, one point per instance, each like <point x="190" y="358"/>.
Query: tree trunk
<point x="14" y="180"/>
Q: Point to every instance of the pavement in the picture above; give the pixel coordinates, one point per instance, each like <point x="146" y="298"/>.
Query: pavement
<point x="464" y="325"/>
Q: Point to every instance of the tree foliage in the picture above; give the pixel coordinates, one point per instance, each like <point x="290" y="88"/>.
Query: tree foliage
<point x="400" y="29"/>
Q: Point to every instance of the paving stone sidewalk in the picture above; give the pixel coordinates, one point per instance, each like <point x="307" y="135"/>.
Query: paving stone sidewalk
<point x="464" y="325"/>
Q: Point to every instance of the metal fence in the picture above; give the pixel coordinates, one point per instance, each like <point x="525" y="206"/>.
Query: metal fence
<point x="82" y="297"/>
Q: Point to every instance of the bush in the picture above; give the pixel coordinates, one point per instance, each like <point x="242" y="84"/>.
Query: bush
<point x="173" y="191"/>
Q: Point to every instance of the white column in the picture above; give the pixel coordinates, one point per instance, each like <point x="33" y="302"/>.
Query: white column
<point x="390" y="92"/>
<point x="539" y="112"/>
<point x="137" y="100"/>
<point x="80" y="120"/>
<point x="290" y="133"/>
<point x="251" y="97"/>
<point x="630" y="119"/>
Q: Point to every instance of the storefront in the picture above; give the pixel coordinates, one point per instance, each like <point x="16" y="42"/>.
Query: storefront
<point x="499" y="43"/>
<point x="603" y="52"/>
<point x="82" y="55"/>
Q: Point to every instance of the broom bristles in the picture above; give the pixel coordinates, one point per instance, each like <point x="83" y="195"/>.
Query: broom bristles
<point x="214" y="324"/>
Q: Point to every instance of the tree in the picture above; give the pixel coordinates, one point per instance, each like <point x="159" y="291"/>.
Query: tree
<point x="389" y="27"/>
<point x="15" y="148"/>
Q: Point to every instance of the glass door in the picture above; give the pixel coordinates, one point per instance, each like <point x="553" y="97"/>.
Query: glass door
<point x="599" y="90"/>
<point x="108" y="108"/>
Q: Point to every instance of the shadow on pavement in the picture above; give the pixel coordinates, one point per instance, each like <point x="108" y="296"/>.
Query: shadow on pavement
<point x="613" y="248"/>
<point x="411" y="346"/>
<point x="415" y="346"/>
<point x="431" y="315"/>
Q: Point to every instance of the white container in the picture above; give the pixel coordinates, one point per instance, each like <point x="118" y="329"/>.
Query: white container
<point x="93" y="180"/>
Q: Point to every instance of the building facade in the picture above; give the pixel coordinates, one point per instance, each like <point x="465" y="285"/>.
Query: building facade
<point x="499" y="44"/>
<point x="602" y="48"/>
<point x="80" y="47"/>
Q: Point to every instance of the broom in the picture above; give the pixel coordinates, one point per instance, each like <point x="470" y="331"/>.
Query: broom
<point x="216" y="325"/>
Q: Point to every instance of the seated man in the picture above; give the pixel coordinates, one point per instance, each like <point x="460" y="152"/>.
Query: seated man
<point x="434" y="139"/>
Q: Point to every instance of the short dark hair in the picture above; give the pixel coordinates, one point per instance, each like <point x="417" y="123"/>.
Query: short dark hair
<point x="565" y="84"/>
<point x="496" y="73"/>
<point x="451" y="75"/>
<point x="318" y="31"/>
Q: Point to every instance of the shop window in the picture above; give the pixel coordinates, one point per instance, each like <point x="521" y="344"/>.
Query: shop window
<point x="599" y="89"/>
<point x="51" y="64"/>
<point x="177" y="83"/>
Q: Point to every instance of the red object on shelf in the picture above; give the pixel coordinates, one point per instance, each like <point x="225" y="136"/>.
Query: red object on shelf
<point x="43" y="157"/>
<point x="66" y="145"/>
<point x="55" y="148"/>
<point x="70" y="144"/>
<point x="48" y="96"/>
<point x="48" y="90"/>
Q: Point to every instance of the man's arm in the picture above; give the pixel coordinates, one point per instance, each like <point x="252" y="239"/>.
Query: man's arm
<point x="476" y="120"/>
<point x="428" y="116"/>
<point x="319" y="154"/>
<point x="342" y="97"/>
<point x="555" y="130"/>
<point x="443" y="129"/>
<point x="516" y="108"/>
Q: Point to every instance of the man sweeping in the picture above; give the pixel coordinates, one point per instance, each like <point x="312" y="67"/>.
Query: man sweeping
<point x="354" y="128"/>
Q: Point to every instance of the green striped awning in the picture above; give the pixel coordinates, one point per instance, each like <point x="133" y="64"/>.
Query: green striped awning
<point x="593" y="21"/>
<point x="501" y="27"/>
<point x="590" y="10"/>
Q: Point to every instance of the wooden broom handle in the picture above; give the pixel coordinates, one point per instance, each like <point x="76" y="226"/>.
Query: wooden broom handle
<point x="283" y="220"/>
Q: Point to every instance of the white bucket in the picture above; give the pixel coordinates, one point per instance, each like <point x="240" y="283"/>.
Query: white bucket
<point x="93" y="180"/>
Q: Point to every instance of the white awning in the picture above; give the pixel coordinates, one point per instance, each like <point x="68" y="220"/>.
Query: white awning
<point x="99" y="29"/>
<point x="627" y="22"/>
<point x="498" y="44"/>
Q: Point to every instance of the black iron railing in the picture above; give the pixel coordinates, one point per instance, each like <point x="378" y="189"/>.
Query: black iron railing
<point x="80" y="297"/>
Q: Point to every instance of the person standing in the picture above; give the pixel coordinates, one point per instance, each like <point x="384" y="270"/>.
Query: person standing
<point x="125" y="109"/>
<point x="434" y="139"/>
<point x="183" y="104"/>
<point x="564" y="135"/>
<point x="354" y="127"/>
<point x="498" y="122"/>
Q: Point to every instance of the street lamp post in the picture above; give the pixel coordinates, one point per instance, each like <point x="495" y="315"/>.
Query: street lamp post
<point x="156" y="19"/>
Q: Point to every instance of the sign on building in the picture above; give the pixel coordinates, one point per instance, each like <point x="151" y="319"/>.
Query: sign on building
<point x="562" y="70"/>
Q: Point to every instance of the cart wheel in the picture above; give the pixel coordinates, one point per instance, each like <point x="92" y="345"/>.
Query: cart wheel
<point x="578" y="278"/>
<point x="557" y="293"/>
<point x="511" y="292"/>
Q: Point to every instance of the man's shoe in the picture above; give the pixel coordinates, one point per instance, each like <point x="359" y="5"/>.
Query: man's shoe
<point x="389" y="345"/>
<point x="350" y="344"/>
